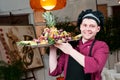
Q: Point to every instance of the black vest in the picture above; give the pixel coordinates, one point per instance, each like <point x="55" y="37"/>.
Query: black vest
<point x="75" y="70"/>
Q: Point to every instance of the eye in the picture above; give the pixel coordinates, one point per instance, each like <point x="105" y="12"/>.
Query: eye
<point x="92" y="26"/>
<point x="84" y="25"/>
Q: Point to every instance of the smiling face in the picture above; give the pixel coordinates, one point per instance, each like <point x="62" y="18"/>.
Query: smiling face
<point x="89" y="28"/>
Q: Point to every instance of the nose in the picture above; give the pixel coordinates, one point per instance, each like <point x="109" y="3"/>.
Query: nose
<point x="88" y="28"/>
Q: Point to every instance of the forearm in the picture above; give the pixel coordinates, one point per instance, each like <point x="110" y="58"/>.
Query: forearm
<point x="78" y="57"/>
<point x="52" y="60"/>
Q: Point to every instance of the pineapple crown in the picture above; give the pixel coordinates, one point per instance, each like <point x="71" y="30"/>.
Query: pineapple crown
<point x="49" y="18"/>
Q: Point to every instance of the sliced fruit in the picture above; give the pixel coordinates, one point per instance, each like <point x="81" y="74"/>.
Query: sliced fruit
<point x="26" y="43"/>
<point x="77" y="37"/>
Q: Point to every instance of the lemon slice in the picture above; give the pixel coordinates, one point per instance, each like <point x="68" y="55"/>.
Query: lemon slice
<point x="77" y="37"/>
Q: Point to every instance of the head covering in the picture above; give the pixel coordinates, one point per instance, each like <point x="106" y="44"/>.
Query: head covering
<point x="89" y="13"/>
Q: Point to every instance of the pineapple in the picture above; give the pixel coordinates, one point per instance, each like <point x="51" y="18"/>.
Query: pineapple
<point x="50" y="22"/>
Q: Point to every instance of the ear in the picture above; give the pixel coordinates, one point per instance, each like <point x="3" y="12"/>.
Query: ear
<point x="98" y="29"/>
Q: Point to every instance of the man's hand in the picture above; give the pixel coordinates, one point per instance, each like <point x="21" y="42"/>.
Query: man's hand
<point x="65" y="47"/>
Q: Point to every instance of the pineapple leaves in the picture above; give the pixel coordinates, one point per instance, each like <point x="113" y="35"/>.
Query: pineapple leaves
<point x="50" y="19"/>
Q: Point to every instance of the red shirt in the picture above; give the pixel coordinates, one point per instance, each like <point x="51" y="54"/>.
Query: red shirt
<point x="93" y="65"/>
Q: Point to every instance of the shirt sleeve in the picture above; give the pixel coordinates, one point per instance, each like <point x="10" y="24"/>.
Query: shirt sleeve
<point x="60" y="65"/>
<point x="99" y="57"/>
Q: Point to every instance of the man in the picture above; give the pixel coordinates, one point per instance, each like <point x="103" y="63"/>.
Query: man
<point x="86" y="60"/>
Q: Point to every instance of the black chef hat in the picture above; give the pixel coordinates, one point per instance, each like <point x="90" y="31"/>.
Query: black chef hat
<point x="89" y="13"/>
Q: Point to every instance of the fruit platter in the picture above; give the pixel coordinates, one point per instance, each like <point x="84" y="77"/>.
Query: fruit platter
<point x="50" y="35"/>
